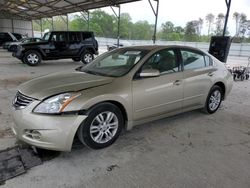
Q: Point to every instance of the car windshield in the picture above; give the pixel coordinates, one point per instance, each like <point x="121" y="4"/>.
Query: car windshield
<point x="115" y="63"/>
<point x="46" y="36"/>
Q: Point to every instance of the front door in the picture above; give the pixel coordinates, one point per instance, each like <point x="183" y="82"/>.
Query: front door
<point x="154" y="96"/>
<point x="58" y="46"/>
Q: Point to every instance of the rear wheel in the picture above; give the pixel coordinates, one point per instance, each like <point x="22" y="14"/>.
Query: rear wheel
<point x="87" y="57"/>
<point x="214" y="99"/>
<point x="102" y="127"/>
<point x="32" y="58"/>
<point x="247" y="76"/>
<point x="234" y="77"/>
<point x="242" y="77"/>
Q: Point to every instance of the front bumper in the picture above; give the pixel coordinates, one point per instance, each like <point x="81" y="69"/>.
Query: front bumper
<point x="56" y="132"/>
<point x="18" y="54"/>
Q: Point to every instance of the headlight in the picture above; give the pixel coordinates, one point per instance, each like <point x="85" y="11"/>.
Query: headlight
<point x="56" y="104"/>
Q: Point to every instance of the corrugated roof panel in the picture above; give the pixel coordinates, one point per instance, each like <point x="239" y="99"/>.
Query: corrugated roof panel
<point x="36" y="9"/>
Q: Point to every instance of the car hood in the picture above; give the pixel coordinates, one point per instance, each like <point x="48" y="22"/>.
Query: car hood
<point x="68" y="81"/>
<point x="15" y="43"/>
<point x="26" y="44"/>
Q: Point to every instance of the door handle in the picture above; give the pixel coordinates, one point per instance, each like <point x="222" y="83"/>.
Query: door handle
<point x="210" y="74"/>
<point x="177" y="82"/>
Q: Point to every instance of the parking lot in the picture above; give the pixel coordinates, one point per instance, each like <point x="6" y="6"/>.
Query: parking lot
<point x="189" y="150"/>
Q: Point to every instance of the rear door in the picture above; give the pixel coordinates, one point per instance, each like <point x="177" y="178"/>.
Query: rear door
<point x="75" y="39"/>
<point x="197" y="77"/>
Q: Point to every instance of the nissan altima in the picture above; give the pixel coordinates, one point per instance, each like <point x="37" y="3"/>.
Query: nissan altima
<point x="118" y="90"/>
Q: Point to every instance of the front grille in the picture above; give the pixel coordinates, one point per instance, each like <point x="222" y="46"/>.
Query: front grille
<point x="21" y="101"/>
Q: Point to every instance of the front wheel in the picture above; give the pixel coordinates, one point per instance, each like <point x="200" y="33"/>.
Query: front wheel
<point x="214" y="99"/>
<point x="87" y="57"/>
<point x="32" y="58"/>
<point x="102" y="126"/>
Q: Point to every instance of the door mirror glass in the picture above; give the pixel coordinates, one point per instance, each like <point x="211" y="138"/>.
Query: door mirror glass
<point x="149" y="73"/>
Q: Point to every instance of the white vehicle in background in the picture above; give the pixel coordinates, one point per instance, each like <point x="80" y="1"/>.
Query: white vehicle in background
<point x="12" y="46"/>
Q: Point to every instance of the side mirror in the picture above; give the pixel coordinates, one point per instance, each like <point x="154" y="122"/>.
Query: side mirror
<point x="149" y="73"/>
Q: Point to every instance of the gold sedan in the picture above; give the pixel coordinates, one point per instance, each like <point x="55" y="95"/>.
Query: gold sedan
<point x="119" y="89"/>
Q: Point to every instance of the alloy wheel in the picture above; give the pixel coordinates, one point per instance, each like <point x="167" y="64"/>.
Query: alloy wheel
<point x="32" y="58"/>
<point x="214" y="100"/>
<point x="104" y="127"/>
<point x="88" y="58"/>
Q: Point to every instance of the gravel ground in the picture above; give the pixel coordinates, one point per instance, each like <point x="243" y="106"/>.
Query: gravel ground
<point x="188" y="150"/>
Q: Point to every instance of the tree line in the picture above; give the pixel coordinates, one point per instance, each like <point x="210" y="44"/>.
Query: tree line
<point x="105" y="25"/>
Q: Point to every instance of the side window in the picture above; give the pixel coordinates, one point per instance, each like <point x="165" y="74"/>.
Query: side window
<point x="164" y="61"/>
<point x="192" y="60"/>
<point x="58" y="37"/>
<point x="87" y="36"/>
<point x="74" y="37"/>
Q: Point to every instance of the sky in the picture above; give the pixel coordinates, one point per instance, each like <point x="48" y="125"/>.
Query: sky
<point x="181" y="11"/>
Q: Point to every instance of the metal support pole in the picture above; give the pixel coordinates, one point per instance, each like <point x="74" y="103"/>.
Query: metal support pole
<point x="41" y="26"/>
<point x="119" y="20"/>
<point x="118" y="32"/>
<point x="52" y="23"/>
<point x="228" y="3"/>
<point x="12" y="25"/>
<point x="156" y="17"/>
<point x="67" y="22"/>
<point x="88" y="20"/>
<point x="32" y="28"/>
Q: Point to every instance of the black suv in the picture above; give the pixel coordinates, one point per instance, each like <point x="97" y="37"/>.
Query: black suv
<point x="80" y="46"/>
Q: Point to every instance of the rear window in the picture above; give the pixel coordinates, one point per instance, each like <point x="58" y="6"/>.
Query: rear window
<point x="193" y="60"/>
<point x="87" y="36"/>
<point x="75" y="37"/>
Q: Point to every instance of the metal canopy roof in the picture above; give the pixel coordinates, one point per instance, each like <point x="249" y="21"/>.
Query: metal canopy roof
<point x="36" y="9"/>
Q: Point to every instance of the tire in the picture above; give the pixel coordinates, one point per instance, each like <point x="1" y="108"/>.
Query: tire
<point x="32" y="58"/>
<point x="102" y="134"/>
<point x="13" y="48"/>
<point x="234" y="77"/>
<point x="212" y="104"/>
<point x="242" y="77"/>
<point x="76" y="59"/>
<point x="247" y="77"/>
<point x="87" y="57"/>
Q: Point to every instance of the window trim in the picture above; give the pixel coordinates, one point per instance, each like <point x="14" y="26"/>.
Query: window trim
<point x="192" y="51"/>
<point x="177" y="59"/>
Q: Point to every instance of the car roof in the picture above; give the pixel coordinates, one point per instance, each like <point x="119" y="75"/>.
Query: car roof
<point x="69" y="32"/>
<point x="153" y="47"/>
